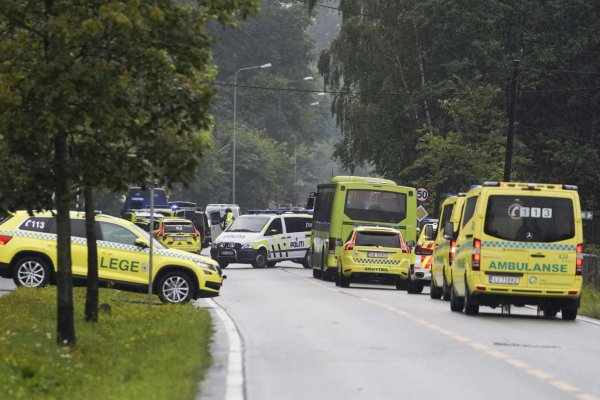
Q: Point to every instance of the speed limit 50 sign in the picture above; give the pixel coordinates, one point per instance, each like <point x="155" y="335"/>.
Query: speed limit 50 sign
<point x="422" y="194"/>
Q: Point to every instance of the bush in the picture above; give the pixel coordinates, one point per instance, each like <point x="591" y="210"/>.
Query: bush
<point x="590" y="302"/>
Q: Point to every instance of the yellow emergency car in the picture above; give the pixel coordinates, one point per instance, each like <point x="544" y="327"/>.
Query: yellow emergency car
<point x="445" y="249"/>
<point x="178" y="233"/>
<point x="264" y="239"/>
<point x="420" y="272"/>
<point x="28" y="255"/>
<point x="519" y="244"/>
<point x="374" y="255"/>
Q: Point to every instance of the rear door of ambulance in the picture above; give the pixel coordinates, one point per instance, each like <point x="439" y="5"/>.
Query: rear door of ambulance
<point x="530" y="240"/>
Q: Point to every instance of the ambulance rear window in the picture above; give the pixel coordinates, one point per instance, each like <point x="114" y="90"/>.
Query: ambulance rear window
<point x="530" y="218"/>
<point x="382" y="239"/>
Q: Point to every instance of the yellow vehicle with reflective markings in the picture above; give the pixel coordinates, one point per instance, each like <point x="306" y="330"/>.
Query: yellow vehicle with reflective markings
<point x="374" y="255"/>
<point x="28" y="255"/>
<point x="445" y="249"/>
<point x="264" y="239"/>
<point x="519" y="244"/>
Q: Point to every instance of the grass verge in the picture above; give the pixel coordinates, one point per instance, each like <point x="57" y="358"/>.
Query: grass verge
<point x="590" y="302"/>
<point x="136" y="352"/>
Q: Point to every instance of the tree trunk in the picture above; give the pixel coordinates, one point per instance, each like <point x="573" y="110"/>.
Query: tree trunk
<point x="421" y="70"/>
<point x="91" y="297"/>
<point x="65" y="325"/>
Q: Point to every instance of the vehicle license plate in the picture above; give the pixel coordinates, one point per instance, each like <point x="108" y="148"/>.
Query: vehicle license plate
<point x="179" y="238"/>
<point x="505" y="280"/>
<point x="227" y="252"/>
<point x="373" y="254"/>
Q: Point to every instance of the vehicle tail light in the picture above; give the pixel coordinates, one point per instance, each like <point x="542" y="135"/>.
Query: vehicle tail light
<point x="196" y="233"/>
<point x="349" y="245"/>
<point x="452" y="251"/>
<point x="476" y="258"/>
<point x="579" y="262"/>
<point x="4" y="239"/>
<point x="331" y="244"/>
<point x="423" y="251"/>
<point x="160" y="232"/>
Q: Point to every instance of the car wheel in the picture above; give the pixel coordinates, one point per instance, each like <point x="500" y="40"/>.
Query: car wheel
<point x="456" y="303"/>
<point x="550" y="312"/>
<point x="306" y="261"/>
<point x="223" y="264"/>
<point x="316" y="273"/>
<point x="434" y="291"/>
<point x="344" y="281"/>
<point x="260" y="261"/>
<point x="31" y="272"/>
<point x="445" y="290"/>
<point x="414" y="287"/>
<point x="176" y="288"/>
<point x="471" y="308"/>
<point x="569" y="314"/>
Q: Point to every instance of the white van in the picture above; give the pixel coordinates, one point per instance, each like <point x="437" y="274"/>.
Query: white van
<point x="264" y="239"/>
<point x="215" y="214"/>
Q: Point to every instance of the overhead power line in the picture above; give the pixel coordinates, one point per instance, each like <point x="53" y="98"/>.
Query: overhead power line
<point x="579" y="139"/>
<point x="560" y="90"/>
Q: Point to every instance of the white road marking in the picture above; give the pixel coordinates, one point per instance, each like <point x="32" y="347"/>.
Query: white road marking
<point x="235" y="383"/>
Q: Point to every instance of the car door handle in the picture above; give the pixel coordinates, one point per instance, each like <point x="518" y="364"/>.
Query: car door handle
<point x="539" y="255"/>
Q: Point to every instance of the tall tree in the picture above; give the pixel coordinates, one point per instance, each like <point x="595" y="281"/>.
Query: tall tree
<point x="105" y="93"/>
<point x="395" y="65"/>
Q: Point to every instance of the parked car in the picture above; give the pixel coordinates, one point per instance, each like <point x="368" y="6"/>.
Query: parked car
<point x="28" y="255"/>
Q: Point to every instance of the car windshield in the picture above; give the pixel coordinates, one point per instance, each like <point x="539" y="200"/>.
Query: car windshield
<point x="375" y="205"/>
<point x="378" y="239"/>
<point x="248" y="224"/>
<point x="530" y="218"/>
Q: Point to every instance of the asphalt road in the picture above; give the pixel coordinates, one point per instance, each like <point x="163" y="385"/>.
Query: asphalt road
<point x="308" y="339"/>
<point x="6" y="285"/>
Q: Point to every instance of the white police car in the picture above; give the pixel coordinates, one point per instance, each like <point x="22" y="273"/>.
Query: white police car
<point x="264" y="239"/>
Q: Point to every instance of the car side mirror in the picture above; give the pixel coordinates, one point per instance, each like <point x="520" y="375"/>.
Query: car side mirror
<point x="410" y="244"/>
<point x="141" y="243"/>
<point x="449" y="231"/>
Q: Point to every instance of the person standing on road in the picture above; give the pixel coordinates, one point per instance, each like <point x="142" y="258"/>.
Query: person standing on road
<point x="228" y="218"/>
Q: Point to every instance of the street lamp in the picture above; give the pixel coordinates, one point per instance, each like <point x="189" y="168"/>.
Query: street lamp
<point x="267" y="65"/>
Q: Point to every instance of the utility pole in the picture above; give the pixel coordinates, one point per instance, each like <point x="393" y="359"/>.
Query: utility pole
<point x="512" y="112"/>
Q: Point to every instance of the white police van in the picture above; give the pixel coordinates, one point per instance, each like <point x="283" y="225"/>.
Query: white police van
<point x="263" y="239"/>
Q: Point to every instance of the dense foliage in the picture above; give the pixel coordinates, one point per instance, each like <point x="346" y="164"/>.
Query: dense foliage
<point x="422" y="90"/>
<point x="284" y="130"/>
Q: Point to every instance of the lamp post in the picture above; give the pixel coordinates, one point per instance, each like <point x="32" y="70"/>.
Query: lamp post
<point x="267" y="65"/>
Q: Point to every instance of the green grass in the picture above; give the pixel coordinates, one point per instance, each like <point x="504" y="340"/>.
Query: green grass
<point x="590" y="302"/>
<point x="136" y="352"/>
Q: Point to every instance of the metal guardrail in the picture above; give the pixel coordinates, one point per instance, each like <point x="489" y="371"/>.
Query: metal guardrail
<point x="591" y="269"/>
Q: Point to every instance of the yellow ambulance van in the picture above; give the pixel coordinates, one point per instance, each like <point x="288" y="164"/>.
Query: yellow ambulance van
<point x="445" y="249"/>
<point x="519" y="244"/>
